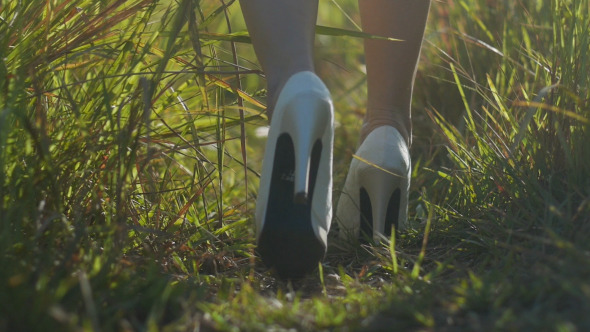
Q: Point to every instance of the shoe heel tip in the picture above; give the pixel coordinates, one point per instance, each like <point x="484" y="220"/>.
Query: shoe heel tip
<point x="300" y="198"/>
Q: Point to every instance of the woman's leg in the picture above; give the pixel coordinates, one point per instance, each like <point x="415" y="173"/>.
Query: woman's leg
<point x="374" y="199"/>
<point x="294" y="203"/>
<point x="282" y="32"/>
<point x="391" y="65"/>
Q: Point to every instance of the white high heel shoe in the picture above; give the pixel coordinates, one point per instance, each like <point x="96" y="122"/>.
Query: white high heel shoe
<point x="375" y="194"/>
<point x="294" y="205"/>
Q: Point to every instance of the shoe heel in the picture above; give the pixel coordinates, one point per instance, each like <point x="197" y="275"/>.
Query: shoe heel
<point x="383" y="188"/>
<point x="306" y="119"/>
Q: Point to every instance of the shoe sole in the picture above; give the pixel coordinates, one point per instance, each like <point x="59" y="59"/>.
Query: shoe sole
<point x="288" y="242"/>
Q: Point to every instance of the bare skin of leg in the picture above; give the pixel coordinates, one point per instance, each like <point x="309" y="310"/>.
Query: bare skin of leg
<point x="391" y="65"/>
<point x="282" y="33"/>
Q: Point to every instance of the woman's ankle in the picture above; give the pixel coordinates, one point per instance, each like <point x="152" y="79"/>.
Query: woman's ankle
<point x="369" y="126"/>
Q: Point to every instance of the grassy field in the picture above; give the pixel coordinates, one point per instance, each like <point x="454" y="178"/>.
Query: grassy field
<point x="130" y="148"/>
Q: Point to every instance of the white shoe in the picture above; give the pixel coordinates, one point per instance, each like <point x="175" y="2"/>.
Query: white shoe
<point x="375" y="194"/>
<point x="294" y="205"/>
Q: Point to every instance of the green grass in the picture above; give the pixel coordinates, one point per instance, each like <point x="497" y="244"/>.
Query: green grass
<point x="129" y="160"/>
